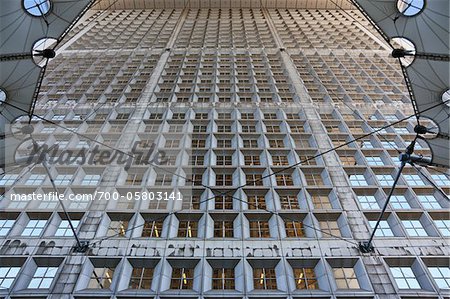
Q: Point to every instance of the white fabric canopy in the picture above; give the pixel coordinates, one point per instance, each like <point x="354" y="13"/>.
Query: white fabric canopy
<point x="428" y="30"/>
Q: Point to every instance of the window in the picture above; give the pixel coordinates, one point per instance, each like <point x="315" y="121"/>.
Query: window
<point x="305" y="279"/>
<point x="264" y="279"/>
<point x="358" y="180"/>
<point x="8" y="179"/>
<point x="63" y="179"/>
<point x="441" y="276"/>
<point x="259" y="229"/>
<point x="375" y="161"/>
<point x="35" y="180"/>
<point x="276" y="143"/>
<point x="187" y="229"/>
<point x="43" y="278"/>
<point x="7" y="276"/>
<point x="5" y="226"/>
<point x="64" y="229"/>
<point x="368" y="202"/>
<point x="223" y="279"/>
<point x="441" y="180"/>
<point x="321" y="201"/>
<point x="224" y="160"/>
<point x="134" y="179"/>
<point x="34" y="228"/>
<point x="152" y="229"/>
<point x="413" y="180"/>
<point x="252" y="160"/>
<point x="224" y="180"/>
<point x="280" y="160"/>
<point x="101" y="278"/>
<point x="117" y="228"/>
<point x="289" y="202"/>
<point x="429" y="201"/>
<point x="385" y="179"/>
<point x="404" y="278"/>
<point x="90" y="180"/>
<point x="223" y="229"/>
<point x="383" y="230"/>
<point x="329" y="228"/>
<point x="164" y="179"/>
<point x="223" y="202"/>
<point x="294" y="229"/>
<point x="346" y="278"/>
<point x="414" y="228"/>
<point x="253" y="179"/>
<point x="284" y="180"/>
<point x="182" y="278"/>
<point x="141" y="278"/>
<point x="256" y="202"/>
<point x="443" y="226"/>
<point x="399" y="202"/>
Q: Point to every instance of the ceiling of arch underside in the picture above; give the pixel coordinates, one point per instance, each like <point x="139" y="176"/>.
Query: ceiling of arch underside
<point x="304" y="4"/>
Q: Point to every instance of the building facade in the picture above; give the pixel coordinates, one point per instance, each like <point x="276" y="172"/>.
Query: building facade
<point x="254" y="200"/>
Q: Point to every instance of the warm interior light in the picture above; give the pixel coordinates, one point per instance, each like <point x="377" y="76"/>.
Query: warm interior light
<point x="189" y="231"/>
<point x="261" y="278"/>
<point x="300" y="278"/>
<point x="184" y="278"/>
<point x="156" y="232"/>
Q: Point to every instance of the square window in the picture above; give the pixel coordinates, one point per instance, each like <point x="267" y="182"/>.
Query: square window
<point x="414" y="228"/>
<point x="259" y="229"/>
<point x="404" y="278"/>
<point x="141" y="278"/>
<point x="357" y="180"/>
<point x="7" y="276"/>
<point x="152" y="229"/>
<point x="346" y="278"/>
<point x="43" y="278"/>
<point x="182" y="278"/>
<point x="441" y="276"/>
<point x="429" y="202"/>
<point x="305" y="279"/>
<point x="368" y="202"/>
<point x="187" y="229"/>
<point x="64" y="229"/>
<point x="34" y="228"/>
<point x="5" y="226"/>
<point x="383" y="230"/>
<point x="101" y="278"/>
<point x="443" y="226"/>
<point x="399" y="202"/>
<point x="264" y="279"/>
<point x="223" y="279"/>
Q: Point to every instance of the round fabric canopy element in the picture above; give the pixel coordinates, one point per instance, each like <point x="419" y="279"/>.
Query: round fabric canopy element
<point x="37" y="8"/>
<point x="410" y="8"/>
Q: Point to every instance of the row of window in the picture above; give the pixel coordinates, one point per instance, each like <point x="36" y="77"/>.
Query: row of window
<point x="218" y="225"/>
<point x="227" y="274"/>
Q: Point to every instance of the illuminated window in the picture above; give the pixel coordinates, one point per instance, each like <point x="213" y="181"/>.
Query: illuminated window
<point x="305" y="279"/>
<point x="152" y="229"/>
<point x="264" y="279"/>
<point x="117" y="228"/>
<point x="223" y="229"/>
<point x="256" y="202"/>
<point x="187" y="229"/>
<point x="259" y="229"/>
<point x="289" y="202"/>
<point x="284" y="180"/>
<point x="254" y="179"/>
<point x="321" y="201"/>
<point x="182" y="278"/>
<point x="346" y="278"/>
<point x="294" y="229"/>
<point x="280" y="160"/>
<point x="141" y="278"/>
<point x="223" y="202"/>
<point x="329" y="228"/>
<point x="223" y="279"/>
<point x="101" y="278"/>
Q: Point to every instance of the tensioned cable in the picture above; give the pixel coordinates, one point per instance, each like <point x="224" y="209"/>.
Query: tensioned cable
<point x="431" y="182"/>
